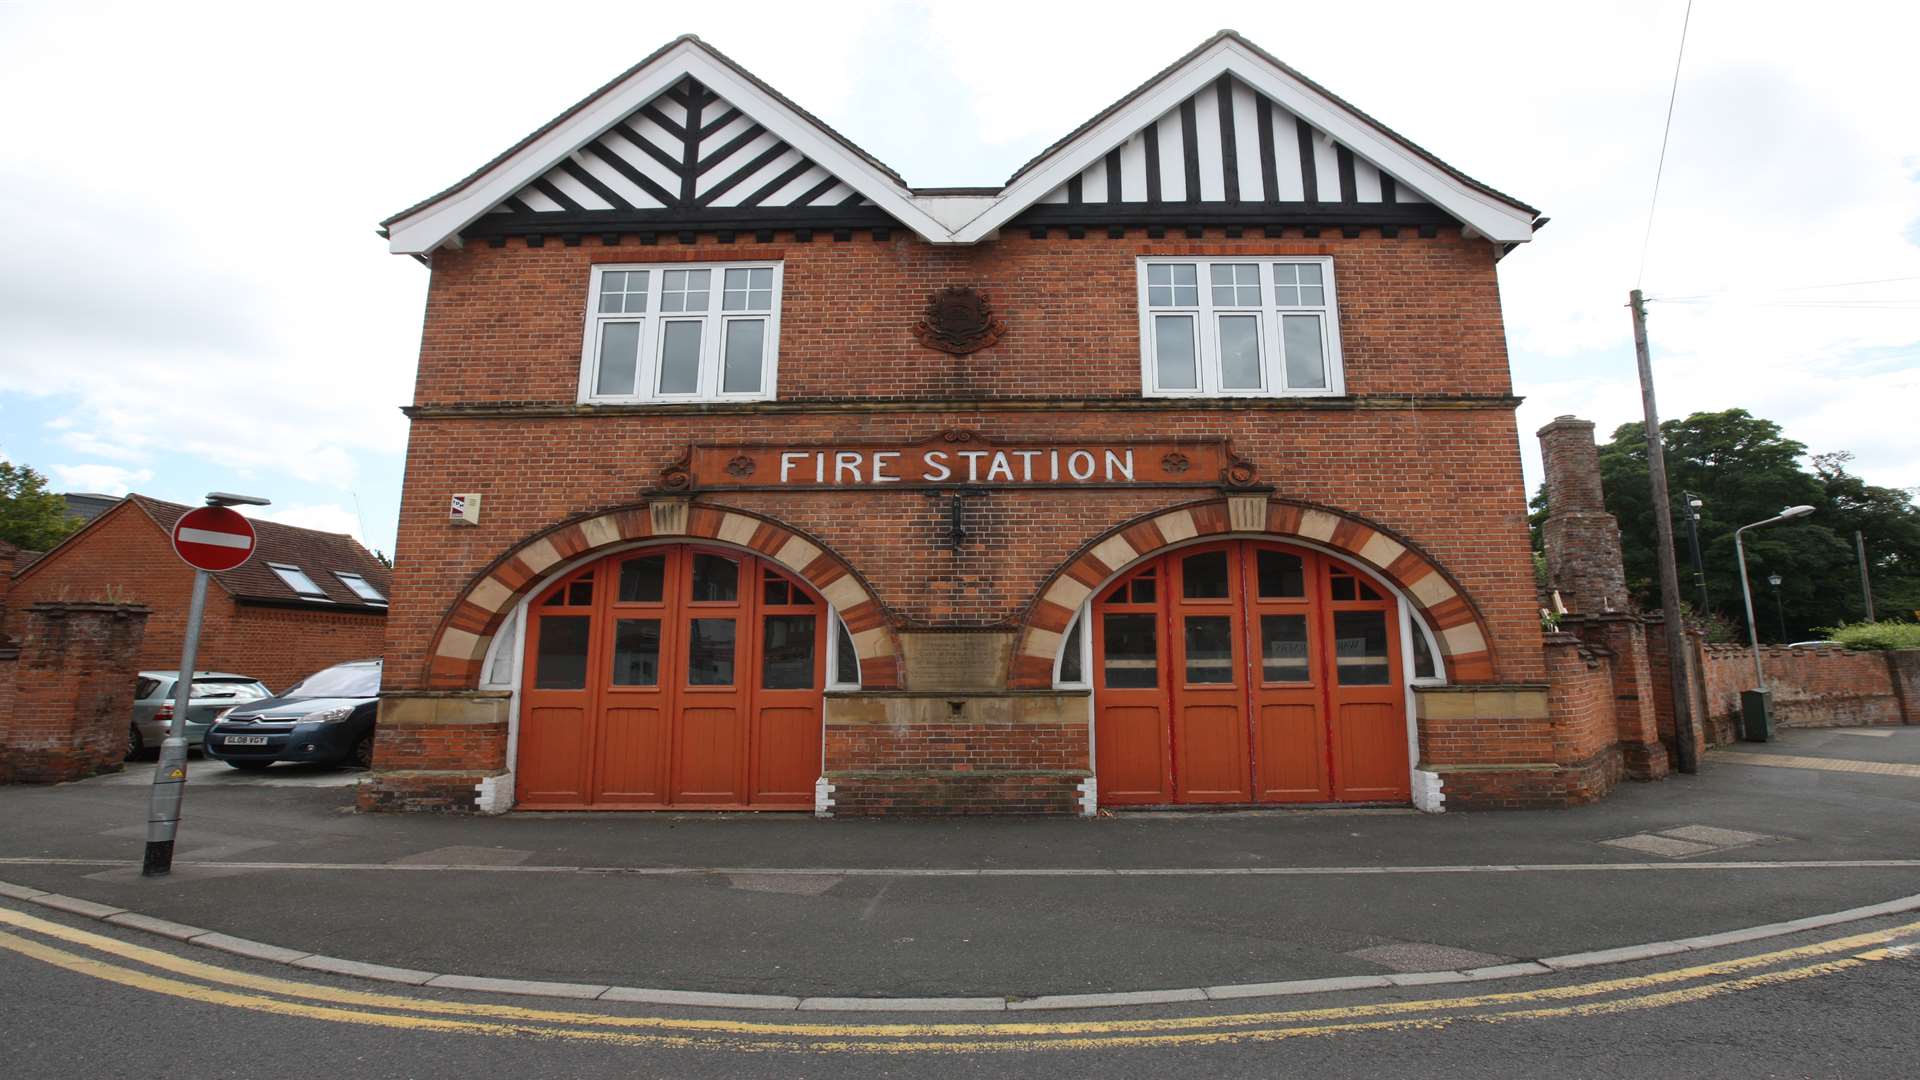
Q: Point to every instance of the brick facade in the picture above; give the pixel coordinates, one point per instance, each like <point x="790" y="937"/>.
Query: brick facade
<point x="66" y="690"/>
<point x="124" y="556"/>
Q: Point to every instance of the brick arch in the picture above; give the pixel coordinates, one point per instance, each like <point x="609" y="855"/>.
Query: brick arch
<point x="461" y="641"/>
<point x="1457" y="624"/>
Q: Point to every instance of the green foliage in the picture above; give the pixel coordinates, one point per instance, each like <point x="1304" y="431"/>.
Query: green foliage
<point x="1744" y="470"/>
<point x="31" y="517"/>
<point x="1877" y="635"/>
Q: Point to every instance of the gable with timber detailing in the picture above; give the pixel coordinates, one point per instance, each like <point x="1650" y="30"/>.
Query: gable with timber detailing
<point x="688" y="149"/>
<point x="1229" y="144"/>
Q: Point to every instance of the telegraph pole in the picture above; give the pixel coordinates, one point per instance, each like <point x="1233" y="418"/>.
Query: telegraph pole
<point x="1866" y="583"/>
<point x="1663" y="529"/>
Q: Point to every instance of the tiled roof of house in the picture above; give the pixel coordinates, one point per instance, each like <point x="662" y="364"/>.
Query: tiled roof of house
<point x="318" y="554"/>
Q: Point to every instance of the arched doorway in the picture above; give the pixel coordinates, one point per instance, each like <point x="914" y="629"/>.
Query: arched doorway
<point x="681" y="676"/>
<point x="1247" y="671"/>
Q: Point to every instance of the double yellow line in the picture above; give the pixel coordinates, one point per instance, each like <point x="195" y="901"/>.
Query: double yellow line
<point x="210" y="984"/>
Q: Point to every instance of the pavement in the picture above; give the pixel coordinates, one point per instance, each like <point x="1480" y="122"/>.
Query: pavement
<point x="1013" y="909"/>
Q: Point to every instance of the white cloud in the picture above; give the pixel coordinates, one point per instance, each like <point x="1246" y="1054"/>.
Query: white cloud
<point x="326" y="517"/>
<point x="103" y="479"/>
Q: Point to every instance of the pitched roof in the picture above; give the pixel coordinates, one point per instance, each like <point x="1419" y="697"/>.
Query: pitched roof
<point x="621" y="159"/>
<point x="316" y="553"/>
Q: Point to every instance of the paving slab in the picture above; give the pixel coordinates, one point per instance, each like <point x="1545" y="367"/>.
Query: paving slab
<point x="1651" y="844"/>
<point x="1713" y="837"/>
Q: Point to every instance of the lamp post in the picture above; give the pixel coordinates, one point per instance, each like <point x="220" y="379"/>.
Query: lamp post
<point x="1779" y="612"/>
<point x="1756" y="707"/>
<point x="1691" y="504"/>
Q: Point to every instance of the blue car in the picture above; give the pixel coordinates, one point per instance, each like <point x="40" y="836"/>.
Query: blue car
<point x="326" y="718"/>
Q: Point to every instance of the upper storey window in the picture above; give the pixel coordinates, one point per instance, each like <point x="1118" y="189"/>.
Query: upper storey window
<point x="1243" y="327"/>
<point x="682" y="332"/>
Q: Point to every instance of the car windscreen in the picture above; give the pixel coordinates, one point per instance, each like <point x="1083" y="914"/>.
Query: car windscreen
<point x="346" y="680"/>
<point x="232" y="689"/>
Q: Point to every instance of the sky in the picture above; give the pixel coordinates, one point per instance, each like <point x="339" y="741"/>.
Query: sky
<point x="193" y="297"/>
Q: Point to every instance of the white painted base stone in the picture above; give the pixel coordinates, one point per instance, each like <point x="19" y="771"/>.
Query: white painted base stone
<point x="1427" y="795"/>
<point x="494" y="794"/>
<point x="1089" y="797"/>
<point x="822" y="798"/>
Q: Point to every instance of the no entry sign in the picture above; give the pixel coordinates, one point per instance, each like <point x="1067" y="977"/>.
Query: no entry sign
<point x="213" y="538"/>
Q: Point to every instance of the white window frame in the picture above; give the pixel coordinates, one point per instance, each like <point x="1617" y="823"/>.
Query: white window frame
<point x="1080" y="621"/>
<point x="317" y="594"/>
<point x="652" y="329"/>
<point x="1206" y="319"/>
<point x="837" y="679"/>
<point x="376" y="599"/>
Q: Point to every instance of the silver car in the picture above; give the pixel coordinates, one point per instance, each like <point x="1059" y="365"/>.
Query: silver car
<point x="213" y="693"/>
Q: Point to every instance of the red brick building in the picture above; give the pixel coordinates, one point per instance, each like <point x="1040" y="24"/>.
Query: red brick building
<point x="307" y="599"/>
<point x="1180" y="469"/>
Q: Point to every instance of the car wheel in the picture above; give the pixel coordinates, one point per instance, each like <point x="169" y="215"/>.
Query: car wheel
<point x="135" y="745"/>
<point x="363" y="751"/>
<point x="249" y="766"/>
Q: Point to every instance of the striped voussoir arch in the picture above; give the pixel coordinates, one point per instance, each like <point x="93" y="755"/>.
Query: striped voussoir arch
<point x="1456" y="624"/>
<point x="460" y="644"/>
<point x="687" y="149"/>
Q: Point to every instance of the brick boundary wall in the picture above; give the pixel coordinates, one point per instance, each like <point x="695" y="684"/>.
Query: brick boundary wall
<point x="69" y="692"/>
<point x="1812" y="688"/>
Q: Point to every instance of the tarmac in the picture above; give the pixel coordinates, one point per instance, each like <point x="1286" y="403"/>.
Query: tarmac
<point x="998" y="913"/>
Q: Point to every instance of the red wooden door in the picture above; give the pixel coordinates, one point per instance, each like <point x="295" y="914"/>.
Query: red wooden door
<point x="557" y="695"/>
<point x="1207" y="639"/>
<point x="1367" y="702"/>
<point x="1289" y="676"/>
<point x="1245" y="672"/>
<point x="673" y="676"/>
<point x="1132" y="740"/>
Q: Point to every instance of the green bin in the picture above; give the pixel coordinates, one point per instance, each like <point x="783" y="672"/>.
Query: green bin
<point x="1756" y="715"/>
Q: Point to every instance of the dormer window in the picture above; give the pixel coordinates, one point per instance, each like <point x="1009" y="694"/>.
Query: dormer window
<point x="681" y="332"/>
<point x="297" y="580"/>
<point x="1240" y="327"/>
<point x="360" y="587"/>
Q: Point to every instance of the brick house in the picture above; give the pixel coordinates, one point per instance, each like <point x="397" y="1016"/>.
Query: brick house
<point x="1180" y="469"/>
<point x="307" y="599"/>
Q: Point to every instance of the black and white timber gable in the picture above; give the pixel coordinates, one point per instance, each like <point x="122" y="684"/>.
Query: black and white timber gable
<point x="687" y="156"/>
<point x="687" y="141"/>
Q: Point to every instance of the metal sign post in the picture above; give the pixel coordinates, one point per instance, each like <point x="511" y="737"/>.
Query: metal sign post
<point x="213" y="538"/>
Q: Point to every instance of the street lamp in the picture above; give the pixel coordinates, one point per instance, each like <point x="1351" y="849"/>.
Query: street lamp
<point x="1778" y="611"/>
<point x="1756" y="705"/>
<point x="1691" y="504"/>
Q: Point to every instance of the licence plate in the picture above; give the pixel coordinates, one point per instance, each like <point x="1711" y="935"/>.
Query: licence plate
<point x="244" y="740"/>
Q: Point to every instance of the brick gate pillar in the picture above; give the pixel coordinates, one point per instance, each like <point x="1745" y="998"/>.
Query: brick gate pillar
<point x="73" y="691"/>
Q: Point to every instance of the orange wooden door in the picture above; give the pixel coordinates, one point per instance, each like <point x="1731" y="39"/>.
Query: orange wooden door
<point x="558" y="700"/>
<point x="1288" y="680"/>
<point x="635" y="708"/>
<point x="1209" y="675"/>
<point x="790" y="665"/>
<point x="1367" y="704"/>
<point x="709" y="674"/>
<point x="1132" y="738"/>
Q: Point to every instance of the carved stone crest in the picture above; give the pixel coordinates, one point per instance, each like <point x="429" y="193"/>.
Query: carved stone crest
<point x="959" y="321"/>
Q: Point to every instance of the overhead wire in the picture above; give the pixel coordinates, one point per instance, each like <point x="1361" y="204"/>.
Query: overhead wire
<point x="1666" y="131"/>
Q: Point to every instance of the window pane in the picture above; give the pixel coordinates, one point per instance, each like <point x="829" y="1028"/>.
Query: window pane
<point x="1312" y="294"/>
<point x="1204" y="576"/>
<point x="715" y="577"/>
<point x="580" y="593"/>
<point x="846" y="659"/>
<point x="643" y="580"/>
<point x="623" y="291"/>
<point x="680" y="358"/>
<point x="774" y="591"/>
<point x="1309" y="273"/>
<point x="786" y="655"/>
<point x="619" y="357"/>
<point x="1071" y="670"/>
<point x="1306" y="361"/>
<point x="1132" y="656"/>
<point x="297" y="580"/>
<point x="1239" y="352"/>
<point x="1423" y="666"/>
<point x="1283" y="648"/>
<point x="560" y="661"/>
<point x="636" y="652"/>
<point x="1360" y="647"/>
<point x="1173" y="352"/>
<point x="1236" y="284"/>
<point x="684" y="290"/>
<point x="1143" y="589"/>
<point x="1281" y="575"/>
<point x="1160" y="274"/>
<point x="1209" y="649"/>
<point x="1343" y="588"/>
<point x="748" y="290"/>
<point x="746" y="341"/>
<point x="710" y="652"/>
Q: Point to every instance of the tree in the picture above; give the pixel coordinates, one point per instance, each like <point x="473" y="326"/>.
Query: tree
<point x="31" y="517"/>
<point x="1744" y="470"/>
